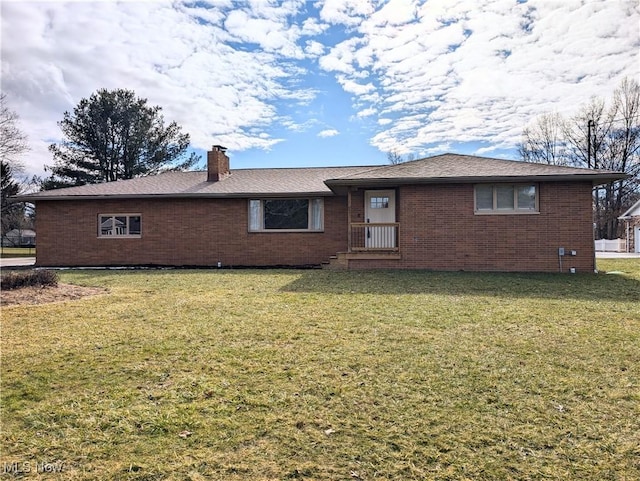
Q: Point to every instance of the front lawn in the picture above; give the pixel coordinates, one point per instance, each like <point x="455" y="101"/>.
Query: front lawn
<point x="286" y="374"/>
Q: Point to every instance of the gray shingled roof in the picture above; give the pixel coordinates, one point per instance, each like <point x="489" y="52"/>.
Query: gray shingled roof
<point x="241" y="183"/>
<point x="323" y="180"/>
<point x="468" y="168"/>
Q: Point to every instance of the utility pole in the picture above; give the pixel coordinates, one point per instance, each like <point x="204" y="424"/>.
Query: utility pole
<point x="594" y="191"/>
<point x="590" y="125"/>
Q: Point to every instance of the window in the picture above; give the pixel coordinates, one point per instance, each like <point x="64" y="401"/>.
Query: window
<point x="379" y="202"/>
<point x="506" y="198"/>
<point x="119" y="225"/>
<point x="286" y="215"/>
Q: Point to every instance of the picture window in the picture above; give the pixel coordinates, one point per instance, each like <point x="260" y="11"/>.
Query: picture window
<point x="119" y="225"/>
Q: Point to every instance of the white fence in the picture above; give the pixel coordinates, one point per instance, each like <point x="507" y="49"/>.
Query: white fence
<point x="611" y="245"/>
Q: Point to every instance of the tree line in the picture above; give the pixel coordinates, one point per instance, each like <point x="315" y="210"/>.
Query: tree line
<point x="599" y="135"/>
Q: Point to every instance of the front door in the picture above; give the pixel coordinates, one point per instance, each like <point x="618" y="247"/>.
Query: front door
<point x="636" y="239"/>
<point x="380" y="208"/>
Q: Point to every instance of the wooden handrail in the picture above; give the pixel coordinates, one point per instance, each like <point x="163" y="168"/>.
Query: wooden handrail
<point x="374" y="236"/>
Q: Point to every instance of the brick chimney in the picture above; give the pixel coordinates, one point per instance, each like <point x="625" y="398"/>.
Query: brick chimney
<point x="217" y="164"/>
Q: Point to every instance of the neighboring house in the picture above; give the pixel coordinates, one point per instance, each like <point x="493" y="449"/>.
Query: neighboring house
<point x="632" y="224"/>
<point x="19" y="238"/>
<point x="448" y="212"/>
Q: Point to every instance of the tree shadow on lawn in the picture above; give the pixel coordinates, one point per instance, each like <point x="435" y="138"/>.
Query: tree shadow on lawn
<point x="606" y="287"/>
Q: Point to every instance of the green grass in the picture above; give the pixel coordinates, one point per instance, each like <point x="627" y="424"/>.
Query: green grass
<point x="17" y="252"/>
<point x="265" y="375"/>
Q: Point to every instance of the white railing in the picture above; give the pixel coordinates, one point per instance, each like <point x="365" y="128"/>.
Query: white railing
<point x="365" y="236"/>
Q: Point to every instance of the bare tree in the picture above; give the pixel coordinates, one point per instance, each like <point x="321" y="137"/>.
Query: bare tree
<point x="584" y="143"/>
<point x="600" y="137"/>
<point x="543" y="142"/>
<point x="614" y="145"/>
<point x="13" y="142"/>
<point x="394" y="157"/>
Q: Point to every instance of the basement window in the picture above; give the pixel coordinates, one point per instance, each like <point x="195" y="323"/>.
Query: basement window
<point x="286" y="215"/>
<point x="119" y="225"/>
<point x="506" y="199"/>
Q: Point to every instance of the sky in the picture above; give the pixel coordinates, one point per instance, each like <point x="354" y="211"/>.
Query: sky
<point x="320" y="83"/>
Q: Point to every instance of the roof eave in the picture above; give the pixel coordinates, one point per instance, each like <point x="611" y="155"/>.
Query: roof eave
<point x="594" y="178"/>
<point x="627" y="215"/>
<point x="239" y="195"/>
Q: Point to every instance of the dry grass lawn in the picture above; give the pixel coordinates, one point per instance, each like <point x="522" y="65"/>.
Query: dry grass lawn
<point x="272" y="375"/>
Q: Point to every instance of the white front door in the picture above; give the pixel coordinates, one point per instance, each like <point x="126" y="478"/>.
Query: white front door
<point x="636" y="239"/>
<point x="380" y="208"/>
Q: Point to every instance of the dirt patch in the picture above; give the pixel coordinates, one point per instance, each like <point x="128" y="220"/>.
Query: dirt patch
<point x="42" y="295"/>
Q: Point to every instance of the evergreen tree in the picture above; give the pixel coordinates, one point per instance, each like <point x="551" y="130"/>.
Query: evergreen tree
<point x="114" y="135"/>
<point x="11" y="213"/>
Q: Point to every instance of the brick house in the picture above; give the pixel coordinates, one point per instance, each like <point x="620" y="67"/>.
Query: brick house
<point x="448" y="212"/>
<point x="632" y="226"/>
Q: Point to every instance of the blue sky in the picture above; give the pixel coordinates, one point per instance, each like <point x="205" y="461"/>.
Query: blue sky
<point x="335" y="82"/>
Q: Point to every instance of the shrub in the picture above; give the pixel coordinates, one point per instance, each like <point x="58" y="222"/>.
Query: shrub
<point x="41" y="278"/>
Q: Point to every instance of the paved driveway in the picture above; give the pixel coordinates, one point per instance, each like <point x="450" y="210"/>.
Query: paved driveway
<point x="617" y="255"/>
<point x="17" y="261"/>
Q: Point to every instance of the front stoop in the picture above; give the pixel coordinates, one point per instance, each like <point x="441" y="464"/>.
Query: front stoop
<point x="341" y="260"/>
<point x="337" y="263"/>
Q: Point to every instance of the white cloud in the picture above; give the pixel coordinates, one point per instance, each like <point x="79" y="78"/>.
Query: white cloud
<point x="54" y="54"/>
<point x="367" y="112"/>
<point x="328" y="133"/>
<point x="272" y="34"/>
<point x="418" y="74"/>
<point x="342" y="57"/>
<point x="298" y="126"/>
<point x="314" y="48"/>
<point x="479" y="70"/>
<point x="395" y="12"/>
<point x="347" y="12"/>
<point x="312" y="26"/>
<point x="354" y="87"/>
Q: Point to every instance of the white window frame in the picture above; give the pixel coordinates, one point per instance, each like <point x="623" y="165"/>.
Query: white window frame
<point x="379" y="202"/>
<point x="315" y="218"/>
<point x="515" y="210"/>
<point x="122" y="235"/>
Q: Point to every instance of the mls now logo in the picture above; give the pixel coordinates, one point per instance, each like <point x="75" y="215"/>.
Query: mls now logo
<point x="24" y="467"/>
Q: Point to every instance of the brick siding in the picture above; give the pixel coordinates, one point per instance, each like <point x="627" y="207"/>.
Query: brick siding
<point x="634" y="222"/>
<point x="191" y="232"/>
<point x="438" y="231"/>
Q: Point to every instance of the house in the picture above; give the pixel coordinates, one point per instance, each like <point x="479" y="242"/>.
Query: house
<point x="448" y="212"/>
<point x="632" y="222"/>
<point x="19" y="238"/>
